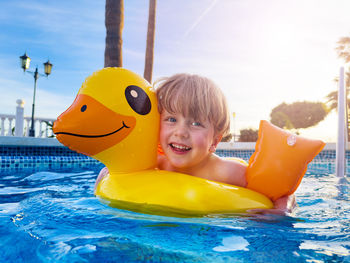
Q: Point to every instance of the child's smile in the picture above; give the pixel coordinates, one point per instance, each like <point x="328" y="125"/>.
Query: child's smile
<point x="179" y="148"/>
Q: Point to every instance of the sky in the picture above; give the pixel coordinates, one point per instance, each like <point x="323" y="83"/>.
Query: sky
<point x="260" y="53"/>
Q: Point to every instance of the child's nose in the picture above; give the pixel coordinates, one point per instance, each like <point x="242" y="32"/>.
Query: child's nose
<point x="181" y="130"/>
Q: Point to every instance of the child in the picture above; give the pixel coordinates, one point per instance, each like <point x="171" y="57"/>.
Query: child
<point x="194" y="118"/>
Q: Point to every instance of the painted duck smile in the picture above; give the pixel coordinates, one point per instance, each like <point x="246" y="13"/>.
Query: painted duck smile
<point x="93" y="136"/>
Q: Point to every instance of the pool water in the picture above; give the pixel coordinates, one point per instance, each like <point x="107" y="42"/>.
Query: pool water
<point x="51" y="216"/>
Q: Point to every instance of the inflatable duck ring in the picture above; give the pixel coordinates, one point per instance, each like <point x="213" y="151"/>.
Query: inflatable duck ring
<point x="115" y="120"/>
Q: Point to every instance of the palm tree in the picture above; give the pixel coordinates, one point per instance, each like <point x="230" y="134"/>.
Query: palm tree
<point x="114" y="21"/>
<point x="150" y="40"/>
<point x="343" y="50"/>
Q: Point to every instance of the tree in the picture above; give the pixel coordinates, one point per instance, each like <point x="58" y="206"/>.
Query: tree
<point x="248" y="135"/>
<point x="343" y="48"/>
<point x="227" y="138"/>
<point x="150" y="40"/>
<point x="281" y="119"/>
<point x="298" y="115"/>
<point x="343" y="51"/>
<point x="114" y="22"/>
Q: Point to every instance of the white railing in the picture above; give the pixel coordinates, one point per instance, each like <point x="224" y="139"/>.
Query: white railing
<point x="19" y="125"/>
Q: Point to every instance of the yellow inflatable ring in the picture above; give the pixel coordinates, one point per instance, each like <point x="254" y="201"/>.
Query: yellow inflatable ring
<point x="115" y="120"/>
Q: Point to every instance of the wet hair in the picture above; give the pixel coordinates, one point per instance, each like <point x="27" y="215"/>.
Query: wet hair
<point x="196" y="97"/>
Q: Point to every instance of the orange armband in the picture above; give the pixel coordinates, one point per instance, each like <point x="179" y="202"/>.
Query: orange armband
<point x="280" y="161"/>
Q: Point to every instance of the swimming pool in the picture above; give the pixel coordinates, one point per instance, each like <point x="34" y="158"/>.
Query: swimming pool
<point x="48" y="214"/>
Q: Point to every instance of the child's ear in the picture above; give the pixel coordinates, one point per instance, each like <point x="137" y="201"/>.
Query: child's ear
<point x="216" y="140"/>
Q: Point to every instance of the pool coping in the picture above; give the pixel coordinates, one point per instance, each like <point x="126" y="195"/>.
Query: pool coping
<point x="29" y="141"/>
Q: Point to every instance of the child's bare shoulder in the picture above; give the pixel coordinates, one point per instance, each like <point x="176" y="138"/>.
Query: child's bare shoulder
<point x="232" y="171"/>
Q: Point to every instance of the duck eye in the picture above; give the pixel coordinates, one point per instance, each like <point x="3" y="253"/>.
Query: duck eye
<point x="83" y="108"/>
<point x="138" y="99"/>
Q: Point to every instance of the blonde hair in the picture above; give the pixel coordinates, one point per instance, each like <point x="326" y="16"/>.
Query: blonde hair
<point x="196" y="97"/>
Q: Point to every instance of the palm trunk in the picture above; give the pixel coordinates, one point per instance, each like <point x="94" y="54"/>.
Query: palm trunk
<point x="150" y="41"/>
<point x="114" y="17"/>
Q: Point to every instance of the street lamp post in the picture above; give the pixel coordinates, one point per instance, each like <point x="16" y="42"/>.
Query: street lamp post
<point x="25" y="61"/>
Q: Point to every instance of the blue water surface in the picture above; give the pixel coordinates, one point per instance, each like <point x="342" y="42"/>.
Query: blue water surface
<point x="52" y="216"/>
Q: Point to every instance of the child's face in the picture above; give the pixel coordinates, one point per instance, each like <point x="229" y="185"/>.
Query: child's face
<point x="186" y="142"/>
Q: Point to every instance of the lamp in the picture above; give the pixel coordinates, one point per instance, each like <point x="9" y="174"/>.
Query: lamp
<point x="25" y="61"/>
<point x="48" y="67"/>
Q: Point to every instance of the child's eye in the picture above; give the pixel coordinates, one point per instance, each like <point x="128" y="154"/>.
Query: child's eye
<point x="171" y="119"/>
<point x="196" y="123"/>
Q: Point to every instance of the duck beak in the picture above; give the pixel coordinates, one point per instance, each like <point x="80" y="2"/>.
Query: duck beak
<point x="89" y="127"/>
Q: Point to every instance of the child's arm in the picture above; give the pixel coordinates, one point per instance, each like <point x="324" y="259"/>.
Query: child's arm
<point x="286" y="203"/>
<point x="282" y="206"/>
